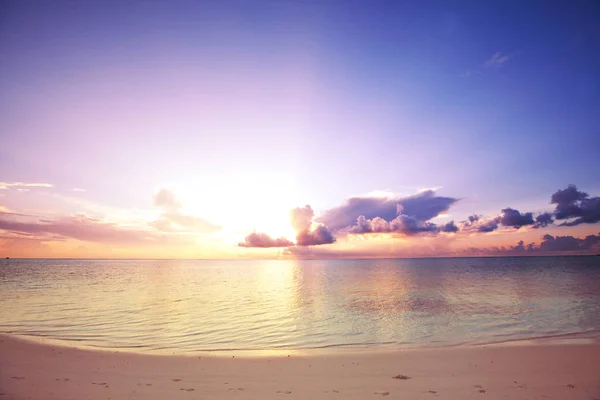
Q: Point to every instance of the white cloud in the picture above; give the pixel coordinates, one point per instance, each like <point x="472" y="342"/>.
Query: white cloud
<point x="7" y="185"/>
<point x="78" y="190"/>
<point x="497" y="60"/>
<point x="470" y="73"/>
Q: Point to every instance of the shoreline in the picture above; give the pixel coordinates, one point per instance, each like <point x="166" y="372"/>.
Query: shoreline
<point x="30" y="370"/>
<point x="584" y="337"/>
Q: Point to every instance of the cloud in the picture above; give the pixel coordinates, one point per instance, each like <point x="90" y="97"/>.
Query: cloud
<point x="173" y="220"/>
<point x="301" y="219"/>
<point x="450" y="227"/>
<point x="402" y="224"/>
<point x="575" y="205"/>
<point x="165" y="198"/>
<point x="514" y="218"/>
<point x="80" y="227"/>
<point x="473" y="218"/>
<point x="421" y="207"/>
<point x="489" y="225"/>
<point x="568" y="243"/>
<point x="78" y="190"/>
<point x="549" y="245"/>
<point x="497" y="60"/>
<point x="262" y="240"/>
<point x="567" y="196"/>
<point x="543" y="220"/>
<point x="177" y="222"/>
<point x="7" y="185"/>
<point x="411" y="215"/>
<point x="469" y="73"/>
<point x="320" y="235"/>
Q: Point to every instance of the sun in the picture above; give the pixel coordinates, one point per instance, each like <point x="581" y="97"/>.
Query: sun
<point x="244" y="204"/>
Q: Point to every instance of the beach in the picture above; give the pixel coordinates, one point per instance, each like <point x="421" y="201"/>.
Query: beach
<point x="546" y="369"/>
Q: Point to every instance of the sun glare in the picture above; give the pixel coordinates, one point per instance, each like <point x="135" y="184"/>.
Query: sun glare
<point x="243" y="204"/>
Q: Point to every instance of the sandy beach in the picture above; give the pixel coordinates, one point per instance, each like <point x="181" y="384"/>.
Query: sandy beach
<point x="544" y="370"/>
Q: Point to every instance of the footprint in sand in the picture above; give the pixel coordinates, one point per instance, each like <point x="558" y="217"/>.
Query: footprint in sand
<point x="286" y="392"/>
<point x="176" y="379"/>
<point x="335" y="391"/>
<point x="403" y="377"/>
<point x="188" y="390"/>
<point x="432" y="391"/>
<point x="571" y="386"/>
<point x="100" y="383"/>
<point x="148" y="384"/>
<point x="481" y="389"/>
<point x="382" y="393"/>
<point x="18" y="377"/>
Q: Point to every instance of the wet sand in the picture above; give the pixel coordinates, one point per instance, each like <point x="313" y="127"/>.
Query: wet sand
<point x="559" y="370"/>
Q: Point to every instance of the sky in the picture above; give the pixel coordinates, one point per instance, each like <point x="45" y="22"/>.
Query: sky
<point x="299" y="129"/>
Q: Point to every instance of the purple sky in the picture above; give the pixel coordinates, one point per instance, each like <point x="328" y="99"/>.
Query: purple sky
<point x="245" y="111"/>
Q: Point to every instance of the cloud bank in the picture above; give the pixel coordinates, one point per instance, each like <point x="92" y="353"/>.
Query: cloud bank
<point x="78" y="227"/>
<point x="420" y="207"/>
<point x="412" y="215"/>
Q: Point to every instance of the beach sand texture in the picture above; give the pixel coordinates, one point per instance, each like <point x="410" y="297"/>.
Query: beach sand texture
<point x="546" y="370"/>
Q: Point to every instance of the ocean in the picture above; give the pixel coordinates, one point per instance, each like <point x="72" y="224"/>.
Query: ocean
<point x="187" y="306"/>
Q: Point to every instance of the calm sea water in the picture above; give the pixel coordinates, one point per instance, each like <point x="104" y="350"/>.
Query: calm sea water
<point x="185" y="306"/>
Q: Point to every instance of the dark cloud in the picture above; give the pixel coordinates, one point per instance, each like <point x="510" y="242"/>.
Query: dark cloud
<point x="519" y="247"/>
<point x="173" y="220"/>
<point x="489" y="225"/>
<point x="576" y="205"/>
<point x="421" y="207"/>
<point x="514" y="218"/>
<point x="320" y="235"/>
<point x="450" y="227"/>
<point x="81" y="227"/>
<point x="543" y="220"/>
<point x="568" y="243"/>
<point x="569" y="195"/>
<point x="257" y="239"/>
<point x="549" y="245"/>
<point x="471" y="221"/>
<point x="409" y="225"/>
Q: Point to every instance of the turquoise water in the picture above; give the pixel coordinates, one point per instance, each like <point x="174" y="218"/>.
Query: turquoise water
<point x="187" y="306"/>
